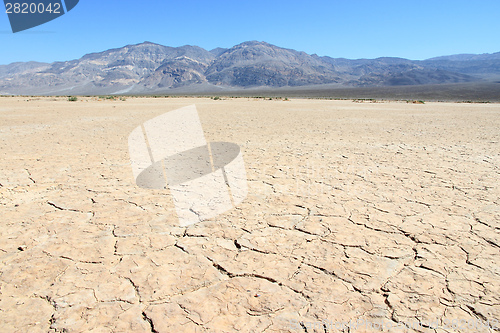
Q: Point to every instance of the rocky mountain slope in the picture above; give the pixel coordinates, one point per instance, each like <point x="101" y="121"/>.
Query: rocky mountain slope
<point x="153" y="68"/>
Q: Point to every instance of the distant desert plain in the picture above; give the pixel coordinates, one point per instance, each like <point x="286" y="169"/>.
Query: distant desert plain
<point x="361" y="216"/>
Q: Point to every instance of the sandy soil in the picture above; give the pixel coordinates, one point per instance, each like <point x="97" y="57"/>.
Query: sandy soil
<point x="375" y="215"/>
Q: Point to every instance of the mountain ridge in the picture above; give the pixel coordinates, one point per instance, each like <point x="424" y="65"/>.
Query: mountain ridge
<point x="148" y="68"/>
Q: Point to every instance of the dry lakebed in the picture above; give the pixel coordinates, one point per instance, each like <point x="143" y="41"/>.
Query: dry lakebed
<point x="360" y="217"/>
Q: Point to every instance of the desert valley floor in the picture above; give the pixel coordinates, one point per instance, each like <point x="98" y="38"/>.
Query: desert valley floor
<point x="359" y="217"/>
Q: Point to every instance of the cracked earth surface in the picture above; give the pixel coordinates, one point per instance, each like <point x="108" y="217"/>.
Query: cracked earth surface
<point x="357" y="212"/>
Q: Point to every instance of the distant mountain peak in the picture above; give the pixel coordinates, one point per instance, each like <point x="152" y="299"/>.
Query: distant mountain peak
<point x="254" y="43"/>
<point x="218" y="51"/>
<point x="467" y="57"/>
<point x="145" y="43"/>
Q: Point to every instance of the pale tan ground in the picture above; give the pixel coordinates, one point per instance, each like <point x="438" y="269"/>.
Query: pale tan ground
<point x="383" y="212"/>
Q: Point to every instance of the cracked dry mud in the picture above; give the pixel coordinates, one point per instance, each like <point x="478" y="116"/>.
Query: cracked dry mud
<point x="357" y="212"/>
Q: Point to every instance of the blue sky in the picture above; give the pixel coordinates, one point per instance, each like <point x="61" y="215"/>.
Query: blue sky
<point x="337" y="28"/>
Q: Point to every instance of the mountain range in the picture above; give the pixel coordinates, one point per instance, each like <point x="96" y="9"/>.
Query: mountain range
<point x="149" y="68"/>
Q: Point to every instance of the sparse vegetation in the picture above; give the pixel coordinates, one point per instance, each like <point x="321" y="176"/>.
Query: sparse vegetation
<point x="362" y="100"/>
<point x="113" y="98"/>
<point x="480" y="102"/>
<point x="270" y="98"/>
<point x="72" y="98"/>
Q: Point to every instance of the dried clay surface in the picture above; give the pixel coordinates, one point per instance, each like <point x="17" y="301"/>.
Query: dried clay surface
<point x="359" y="217"/>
